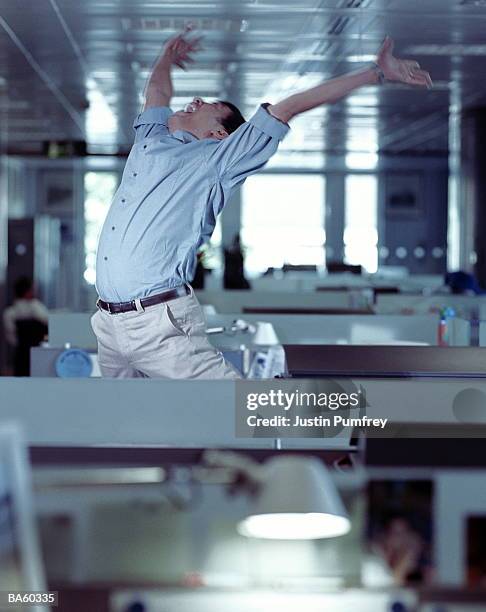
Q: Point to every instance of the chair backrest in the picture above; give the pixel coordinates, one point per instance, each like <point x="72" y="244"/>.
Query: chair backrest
<point x="30" y="332"/>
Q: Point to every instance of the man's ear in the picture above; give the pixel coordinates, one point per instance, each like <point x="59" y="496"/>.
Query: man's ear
<point x="219" y="133"/>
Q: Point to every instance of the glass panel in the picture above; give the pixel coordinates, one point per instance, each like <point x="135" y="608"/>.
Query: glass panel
<point x="99" y="189"/>
<point x="360" y="221"/>
<point x="282" y="221"/>
<point x="213" y="256"/>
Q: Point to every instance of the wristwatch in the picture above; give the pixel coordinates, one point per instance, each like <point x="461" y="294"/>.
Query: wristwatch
<point x="379" y="73"/>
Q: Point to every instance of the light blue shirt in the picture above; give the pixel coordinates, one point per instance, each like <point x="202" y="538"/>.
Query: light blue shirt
<point x="172" y="190"/>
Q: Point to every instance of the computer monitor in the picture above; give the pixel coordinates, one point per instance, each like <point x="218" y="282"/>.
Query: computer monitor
<point x="21" y="567"/>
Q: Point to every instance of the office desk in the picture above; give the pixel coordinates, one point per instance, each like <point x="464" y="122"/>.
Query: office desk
<point x="464" y="305"/>
<point x="237" y="301"/>
<point x="385" y="361"/>
<point x="133" y="413"/>
<point x="302" y="310"/>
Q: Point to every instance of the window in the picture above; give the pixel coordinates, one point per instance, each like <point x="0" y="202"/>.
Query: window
<point x="360" y="222"/>
<point x="282" y="221"/>
<point x="99" y="189"/>
<point x="213" y="256"/>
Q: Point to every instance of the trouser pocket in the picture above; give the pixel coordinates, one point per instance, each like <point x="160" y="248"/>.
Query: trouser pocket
<point x="185" y="315"/>
<point x="174" y="322"/>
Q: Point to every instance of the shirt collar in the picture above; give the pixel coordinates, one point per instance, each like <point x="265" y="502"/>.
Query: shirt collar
<point x="184" y="136"/>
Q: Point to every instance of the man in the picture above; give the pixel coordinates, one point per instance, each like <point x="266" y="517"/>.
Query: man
<point x="179" y="175"/>
<point x="25" y="324"/>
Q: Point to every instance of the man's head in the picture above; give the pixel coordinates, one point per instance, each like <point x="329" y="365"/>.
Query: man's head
<point x="24" y="288"/>
<point x="207" y="120"/>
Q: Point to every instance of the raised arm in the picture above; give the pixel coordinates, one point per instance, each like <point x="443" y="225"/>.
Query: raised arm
<point x="177" y="52"/>
<point x="387" y="67"/>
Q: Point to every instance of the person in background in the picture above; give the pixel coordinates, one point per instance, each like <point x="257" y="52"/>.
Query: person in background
<point x="136" y="606"/>
<point x="199" y="279"/>
<point x="234" y="276"/>
<point x="25" y="324"/>
<point x="463" y="283"/>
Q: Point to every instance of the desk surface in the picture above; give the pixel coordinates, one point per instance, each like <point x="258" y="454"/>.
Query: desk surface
<point x="296" y="310"/>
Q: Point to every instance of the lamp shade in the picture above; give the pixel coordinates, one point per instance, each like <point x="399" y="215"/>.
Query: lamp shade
<point x="265" y="334"/>
<point x="298" y="501"/>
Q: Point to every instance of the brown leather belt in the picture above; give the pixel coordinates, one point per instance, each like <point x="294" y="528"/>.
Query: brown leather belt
<point x="116" y="308"/>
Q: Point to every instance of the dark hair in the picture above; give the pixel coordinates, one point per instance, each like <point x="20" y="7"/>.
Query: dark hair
<point x="22" y="286"/>
<point x="233" y="121"/>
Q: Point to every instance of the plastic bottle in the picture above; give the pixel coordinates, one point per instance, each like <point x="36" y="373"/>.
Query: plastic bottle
<point x="443" y="335"/>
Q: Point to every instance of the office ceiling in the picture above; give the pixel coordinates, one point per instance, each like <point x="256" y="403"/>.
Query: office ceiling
<point x="76" y="70"/>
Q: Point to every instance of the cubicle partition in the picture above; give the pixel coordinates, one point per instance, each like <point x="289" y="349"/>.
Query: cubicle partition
<point x="390" y="362"/>
<point x="482" y="333"/>
<point x="465" y="306"/>
<point x="234" y="333"/>
<point x="201" y="414"/>
<point x="135" y="417"/>
<point x="306" y="281"/>
<point x="245" y="339"/>
<point x="336" y="329"/>
<point x="75" y="329"/>
<point x="237" y="301"/>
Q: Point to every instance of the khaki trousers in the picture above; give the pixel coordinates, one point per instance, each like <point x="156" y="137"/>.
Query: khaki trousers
<point x="167" y="340"/>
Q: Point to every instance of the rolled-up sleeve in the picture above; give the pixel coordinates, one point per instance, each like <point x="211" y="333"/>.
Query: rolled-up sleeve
<point x="152" y="122"/>
<point x="248" y="148"/>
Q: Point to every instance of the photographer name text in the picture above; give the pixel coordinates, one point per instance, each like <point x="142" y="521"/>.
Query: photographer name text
<point x="315" y="421"/>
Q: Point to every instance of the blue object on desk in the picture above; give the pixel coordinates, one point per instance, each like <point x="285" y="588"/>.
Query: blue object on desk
<point x="235" y="358"/>
<point x="74" y="363"/>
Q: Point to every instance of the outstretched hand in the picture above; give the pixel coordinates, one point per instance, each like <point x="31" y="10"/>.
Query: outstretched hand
<point x="401" y="70"/>
<point x="178" y="50"/>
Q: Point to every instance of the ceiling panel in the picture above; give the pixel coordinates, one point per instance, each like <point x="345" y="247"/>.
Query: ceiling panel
<point x="75" y="69"/>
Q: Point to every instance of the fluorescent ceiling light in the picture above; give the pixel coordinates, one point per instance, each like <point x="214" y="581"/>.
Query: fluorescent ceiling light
<point x="101" y="122"/>
<point x="27" y="123"/>
<point x="108" y="476"/>
<point x="14" y="104"/>
<point x="298" y="500"/>
<point x="363" y="100"/>
<point x="361" y="58"/>
<point x="361" y="160"/>
<point x="449" y="49"/>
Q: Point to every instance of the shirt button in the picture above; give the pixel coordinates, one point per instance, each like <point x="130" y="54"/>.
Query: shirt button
<point x="123" y="200"/>
<point x="144" y="146"/>
<point x="112" y="227"/>
<point x="105" y="258"/>
<point x="134" y="174"/>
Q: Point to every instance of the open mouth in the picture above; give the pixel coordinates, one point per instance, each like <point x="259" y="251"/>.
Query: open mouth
<point x="190" y="108"/>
